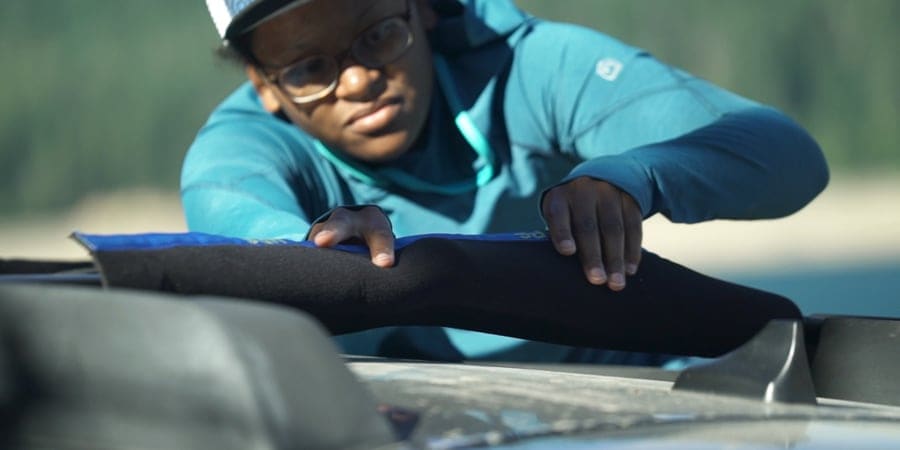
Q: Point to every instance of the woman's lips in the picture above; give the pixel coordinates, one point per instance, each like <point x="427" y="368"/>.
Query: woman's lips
<point x="375" y="119"/>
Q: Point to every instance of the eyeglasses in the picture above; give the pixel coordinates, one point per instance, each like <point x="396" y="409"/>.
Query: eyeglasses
<point x="314" y="77"/>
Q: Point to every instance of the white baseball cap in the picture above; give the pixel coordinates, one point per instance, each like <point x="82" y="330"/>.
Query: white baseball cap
<point x="236" y="17"/>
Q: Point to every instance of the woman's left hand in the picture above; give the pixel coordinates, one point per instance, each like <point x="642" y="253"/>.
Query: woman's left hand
<point x="600" y="223"/>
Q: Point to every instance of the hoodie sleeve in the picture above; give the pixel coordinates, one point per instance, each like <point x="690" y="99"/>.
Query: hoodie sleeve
<point x="247" y="175"/>
<point x="676" y="143"/>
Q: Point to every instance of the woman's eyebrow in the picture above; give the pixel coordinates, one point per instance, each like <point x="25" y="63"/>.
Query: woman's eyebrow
<point x="375" y="9"/>
<point x="372" y="5"/>
<point x="373" y="12"/>
<point x="306" y="42"/>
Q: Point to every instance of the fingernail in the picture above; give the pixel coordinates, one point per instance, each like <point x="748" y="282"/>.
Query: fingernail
<point x="567" y="246"/>
<point x="631" y="269"/>
<point x="617" y="280"/>
<point x="323" y="236"/>
<point x="383" y="259"/>
<point x="597" y="276"/>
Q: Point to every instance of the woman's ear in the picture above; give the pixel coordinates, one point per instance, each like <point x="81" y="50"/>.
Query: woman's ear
<point x="427" y="15"/>
<point x="266" y="91"/>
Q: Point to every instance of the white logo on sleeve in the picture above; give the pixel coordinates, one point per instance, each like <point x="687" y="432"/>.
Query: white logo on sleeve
<point x="609" y="68"/>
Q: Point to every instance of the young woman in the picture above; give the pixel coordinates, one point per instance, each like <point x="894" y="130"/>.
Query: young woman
<point x="369" y="119"/>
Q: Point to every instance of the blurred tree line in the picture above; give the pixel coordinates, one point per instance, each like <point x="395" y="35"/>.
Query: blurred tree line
<point x="99" y="95"/>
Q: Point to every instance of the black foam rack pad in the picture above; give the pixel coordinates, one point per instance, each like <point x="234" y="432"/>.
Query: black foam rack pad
<point x="519" y="287"/>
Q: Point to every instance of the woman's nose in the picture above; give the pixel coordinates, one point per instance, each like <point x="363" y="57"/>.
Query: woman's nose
<point x="359" y="83"/>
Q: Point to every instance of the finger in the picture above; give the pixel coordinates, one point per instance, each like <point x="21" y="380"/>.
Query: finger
<point x="586" y="232"/>
<point x="633" y="220"/>
<point x="612" y="231"/>
<point x="379" y="237"/>
<point x="381" y="247"/>
<point x="314" y="230"/>
<point x="556" y="213"/>
<point x="336" y="229"/>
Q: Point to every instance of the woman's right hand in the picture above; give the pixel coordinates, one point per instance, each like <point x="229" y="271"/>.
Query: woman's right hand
<point x="367" y="225"/>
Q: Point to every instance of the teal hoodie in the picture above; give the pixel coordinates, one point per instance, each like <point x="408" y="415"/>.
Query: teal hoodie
<point x="552" y="102"/>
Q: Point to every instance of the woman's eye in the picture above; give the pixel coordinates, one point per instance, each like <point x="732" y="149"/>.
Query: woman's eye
<point x="381" y="32"/>
<point x="306" y="71"/>
<point x="314" y="66"/>
<point x="309" y="67"/>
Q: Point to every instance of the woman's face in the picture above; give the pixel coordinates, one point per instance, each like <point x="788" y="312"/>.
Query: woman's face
<point x="373" y="114"/>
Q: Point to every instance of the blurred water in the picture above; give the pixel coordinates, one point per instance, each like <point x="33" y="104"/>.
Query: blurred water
<point x="870" y="289"/>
